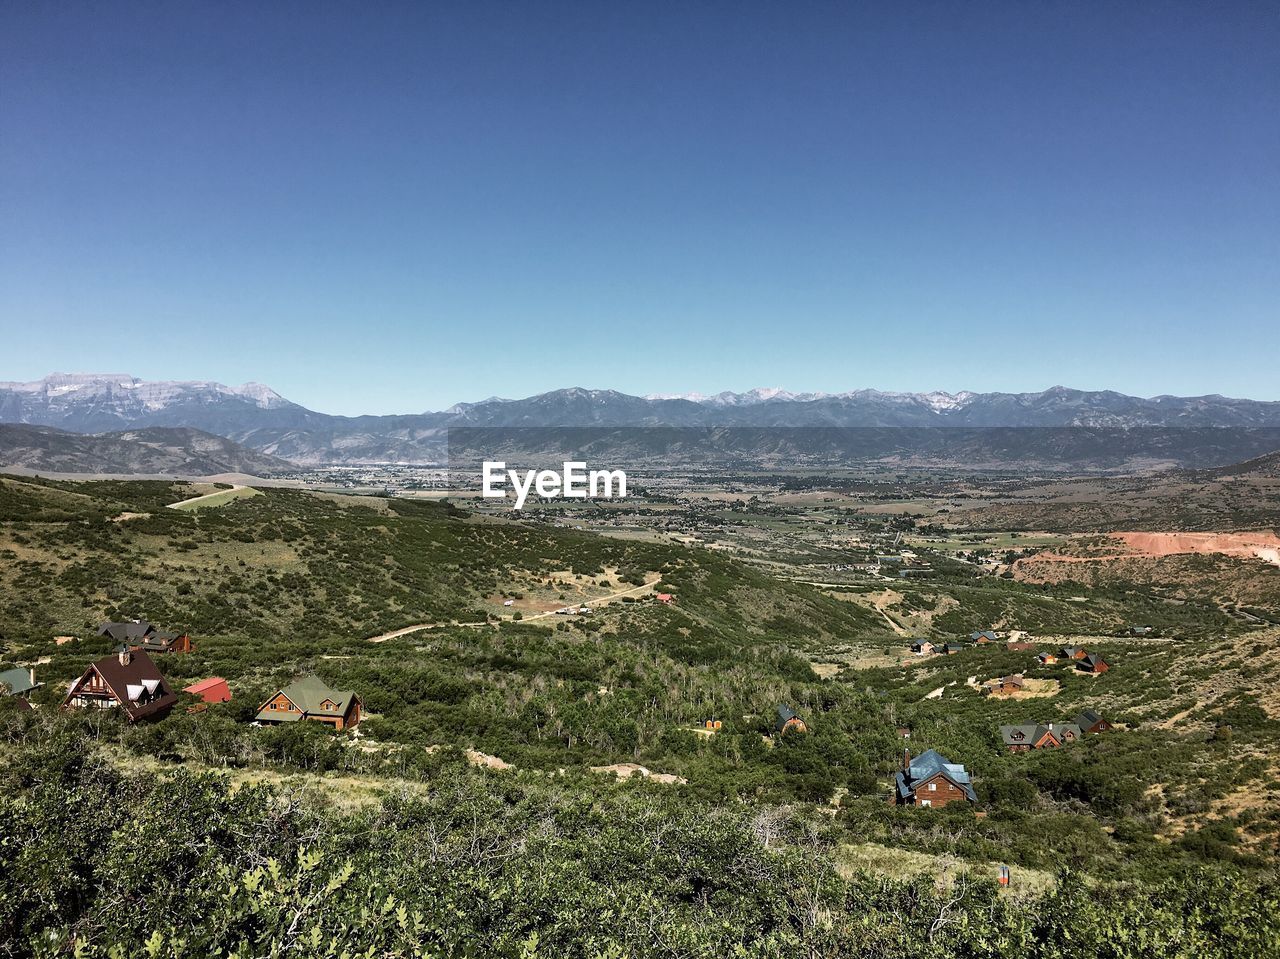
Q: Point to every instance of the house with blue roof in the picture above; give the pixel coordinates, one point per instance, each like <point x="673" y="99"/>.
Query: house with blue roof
<point x="931" y="780"/>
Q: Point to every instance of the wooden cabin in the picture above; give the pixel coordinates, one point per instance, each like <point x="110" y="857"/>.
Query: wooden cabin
<point x="1004" y="686"/>
<point x="1066" y="733"/>
<point x="310" y="698"/>
<point x="1028" y="736"/>
<point x="930" y="780"/>
<point x="1092" y="663"/>
<point x="1072" y="652"/>
<point x="1091" y="722"/>
<point x="1047" y="659"/>
<point x="139" y="636"/>
<point x="984" y="637"/>
<point x="127" y="681"/>
<point x="922" y="647"/>
<point x="788" y="721"/>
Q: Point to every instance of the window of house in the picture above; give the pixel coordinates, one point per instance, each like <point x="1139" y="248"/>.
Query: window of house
<point x="933" y="787"/>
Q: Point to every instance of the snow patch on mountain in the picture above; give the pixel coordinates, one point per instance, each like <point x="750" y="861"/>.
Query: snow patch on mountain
<point x="126" y="392"/>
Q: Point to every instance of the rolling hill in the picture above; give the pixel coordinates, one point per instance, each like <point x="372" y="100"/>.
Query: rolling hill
<point x="152" y="450"/>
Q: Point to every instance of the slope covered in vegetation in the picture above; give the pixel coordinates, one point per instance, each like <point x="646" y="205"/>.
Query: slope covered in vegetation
<point x="228" y="839"/>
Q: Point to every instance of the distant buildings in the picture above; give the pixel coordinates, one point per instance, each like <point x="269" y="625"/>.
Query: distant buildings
<point x="139" y="636"/>
<point x="1027" y="736"/>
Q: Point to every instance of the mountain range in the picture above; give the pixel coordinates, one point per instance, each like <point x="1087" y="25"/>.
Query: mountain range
<point x="1198" y="431"/>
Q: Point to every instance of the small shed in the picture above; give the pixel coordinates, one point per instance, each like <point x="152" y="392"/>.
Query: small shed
<point x="211" y="690"/>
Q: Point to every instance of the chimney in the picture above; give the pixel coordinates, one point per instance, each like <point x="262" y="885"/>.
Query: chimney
<point x="906" y="760"/>
<point x="124" y="656"/>
<point x="33" y="675"/>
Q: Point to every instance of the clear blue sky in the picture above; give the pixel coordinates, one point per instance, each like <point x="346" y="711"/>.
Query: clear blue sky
<point x="391" y="207"/>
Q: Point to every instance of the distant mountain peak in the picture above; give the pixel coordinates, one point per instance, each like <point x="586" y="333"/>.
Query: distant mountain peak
<point x="261" y="418"/>
<point x="127" y="389"/>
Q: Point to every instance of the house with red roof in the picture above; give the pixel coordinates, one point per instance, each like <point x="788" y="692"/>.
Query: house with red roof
<point x="211" y="690"/>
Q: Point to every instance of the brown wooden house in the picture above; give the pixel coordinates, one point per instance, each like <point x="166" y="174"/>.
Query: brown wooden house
<point x="127" y="681"/>
<point x="139" y="636"/>
<point x="310" y="698"/>
<point x="1093" y="663"/>
<point x="1072" y="652"/>
<point x="1028" y="736"/>
<point x="1004" y="686"/>
<point x="1091" y="722"/>
<point x="1066" y="733"/>
<point x="930" y="780"/>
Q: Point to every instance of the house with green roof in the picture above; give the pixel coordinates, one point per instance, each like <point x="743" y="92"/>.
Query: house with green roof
<point x="17" y="682"/>
<point x="310" y="698"/>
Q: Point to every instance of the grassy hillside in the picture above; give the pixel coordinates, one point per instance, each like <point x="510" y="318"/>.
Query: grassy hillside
<point x="291" y="582"/>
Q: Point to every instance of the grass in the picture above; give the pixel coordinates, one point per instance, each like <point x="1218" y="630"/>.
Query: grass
<point x="220" y="498"/>
<point x="901" y="864"/>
